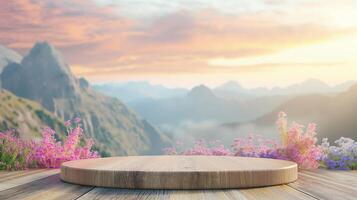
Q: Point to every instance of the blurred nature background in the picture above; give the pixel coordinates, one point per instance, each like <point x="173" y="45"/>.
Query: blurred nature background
<point x="144" y="74"/>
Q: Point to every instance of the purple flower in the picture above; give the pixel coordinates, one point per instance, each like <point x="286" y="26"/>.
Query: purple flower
<point x="342" y="156"/>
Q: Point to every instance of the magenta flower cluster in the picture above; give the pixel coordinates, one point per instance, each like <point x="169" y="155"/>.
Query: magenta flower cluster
<point x="15" y="154"/>
<point x="296" y="145"/>
<point x="50" y="153"/>
<point x="18" y="154"/>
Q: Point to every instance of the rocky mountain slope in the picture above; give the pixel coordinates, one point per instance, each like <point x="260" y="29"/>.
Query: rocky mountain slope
<point x="44" y="77"/>
<point x="26" y="117"/>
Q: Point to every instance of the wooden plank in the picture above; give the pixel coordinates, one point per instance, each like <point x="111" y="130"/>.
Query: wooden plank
<point x="23" y="177"/>
<point x="126" y="194"/>
<point x="47" y="188"/>
<point x="179" y="172"/>
<point x="4" y="172"/>
<point x="7" y="174"/>
<point x="122" y="194"/>
<point x="348" y="178"/>
<point x="323" y="188"/>
<point x="275" y="192"/>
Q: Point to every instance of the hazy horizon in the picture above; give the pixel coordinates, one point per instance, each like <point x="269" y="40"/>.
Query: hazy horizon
<point x="212" y="86"/>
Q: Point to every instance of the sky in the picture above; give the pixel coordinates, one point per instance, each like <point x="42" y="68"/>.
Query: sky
<point x="184" y="43"/>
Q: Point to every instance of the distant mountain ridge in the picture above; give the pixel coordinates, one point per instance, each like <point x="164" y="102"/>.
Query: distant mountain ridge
<point x="43" y="76"/>
<point x="201" y="104"/>
<point x="335" y="116"/>
<point x="201" y="92"/>
<point x="229" y="102"/>
<point x="8" y="56"/>
<point x="233" y="90"/>
<point x="141" y="91"/>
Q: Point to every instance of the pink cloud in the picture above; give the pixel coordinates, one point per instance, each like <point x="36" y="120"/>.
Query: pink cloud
<point x="179" y="42"/>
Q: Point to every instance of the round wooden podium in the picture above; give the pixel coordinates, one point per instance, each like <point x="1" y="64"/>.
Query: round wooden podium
<point x="179" y="172"/>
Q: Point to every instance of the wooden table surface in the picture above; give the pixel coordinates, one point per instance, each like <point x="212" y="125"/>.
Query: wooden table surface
<point x="46" y="184"/>
<point x="179" y="172"/>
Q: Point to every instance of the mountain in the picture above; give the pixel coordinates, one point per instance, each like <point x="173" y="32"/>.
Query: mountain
<point x="201" y="104"/>
<point x="26" y="117"/>
<point x="44" y="77"/>
<point x="335" y="115"/>
<point x="138" y="91"/>
<point x="8" y="56"/>
<point x="307" y="87"/>
<point x="233" y="90"/>
<point x="201" y="92"/>
<point x="344" y="86"/>
<point x="231" y="86"/>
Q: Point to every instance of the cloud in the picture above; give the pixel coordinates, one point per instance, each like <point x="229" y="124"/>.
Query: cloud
<point x="171" y="28"/>
<point x="63" y="23"/>
<point x="107" y="40"/>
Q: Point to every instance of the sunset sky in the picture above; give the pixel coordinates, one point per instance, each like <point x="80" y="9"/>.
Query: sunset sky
<point x="188" y="42"/>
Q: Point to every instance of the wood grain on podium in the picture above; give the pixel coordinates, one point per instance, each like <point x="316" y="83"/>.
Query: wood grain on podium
<point x="179" y="172"/>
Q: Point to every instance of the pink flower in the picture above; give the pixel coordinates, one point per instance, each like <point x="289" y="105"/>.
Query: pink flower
<point x="13" y="147"/>
<point x="47" y="153"/>
<point x="51" y="154"/>
<point x="77" y="120"/>
<point x="296" y="145"/>
<point x="68" y="123"/>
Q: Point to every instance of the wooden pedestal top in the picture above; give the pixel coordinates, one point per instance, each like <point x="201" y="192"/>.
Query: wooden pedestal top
<point x="179" y="172"/>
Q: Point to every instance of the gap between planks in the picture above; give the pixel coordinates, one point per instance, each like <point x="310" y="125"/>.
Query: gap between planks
<point x="323" y="188"/>
<point x="47" y="188"/>
<point x="273" y="192"/>
<point x="24" y="177"/>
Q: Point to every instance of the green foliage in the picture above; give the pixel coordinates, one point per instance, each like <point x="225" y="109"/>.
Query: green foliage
<point x="18" y="154"/>
<point x="13" y="153"/>
<point x="102" y="153"/>
<point x="45" y="118"/>
<point x="28" y="106"/>
<point x="27" y="117"/>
